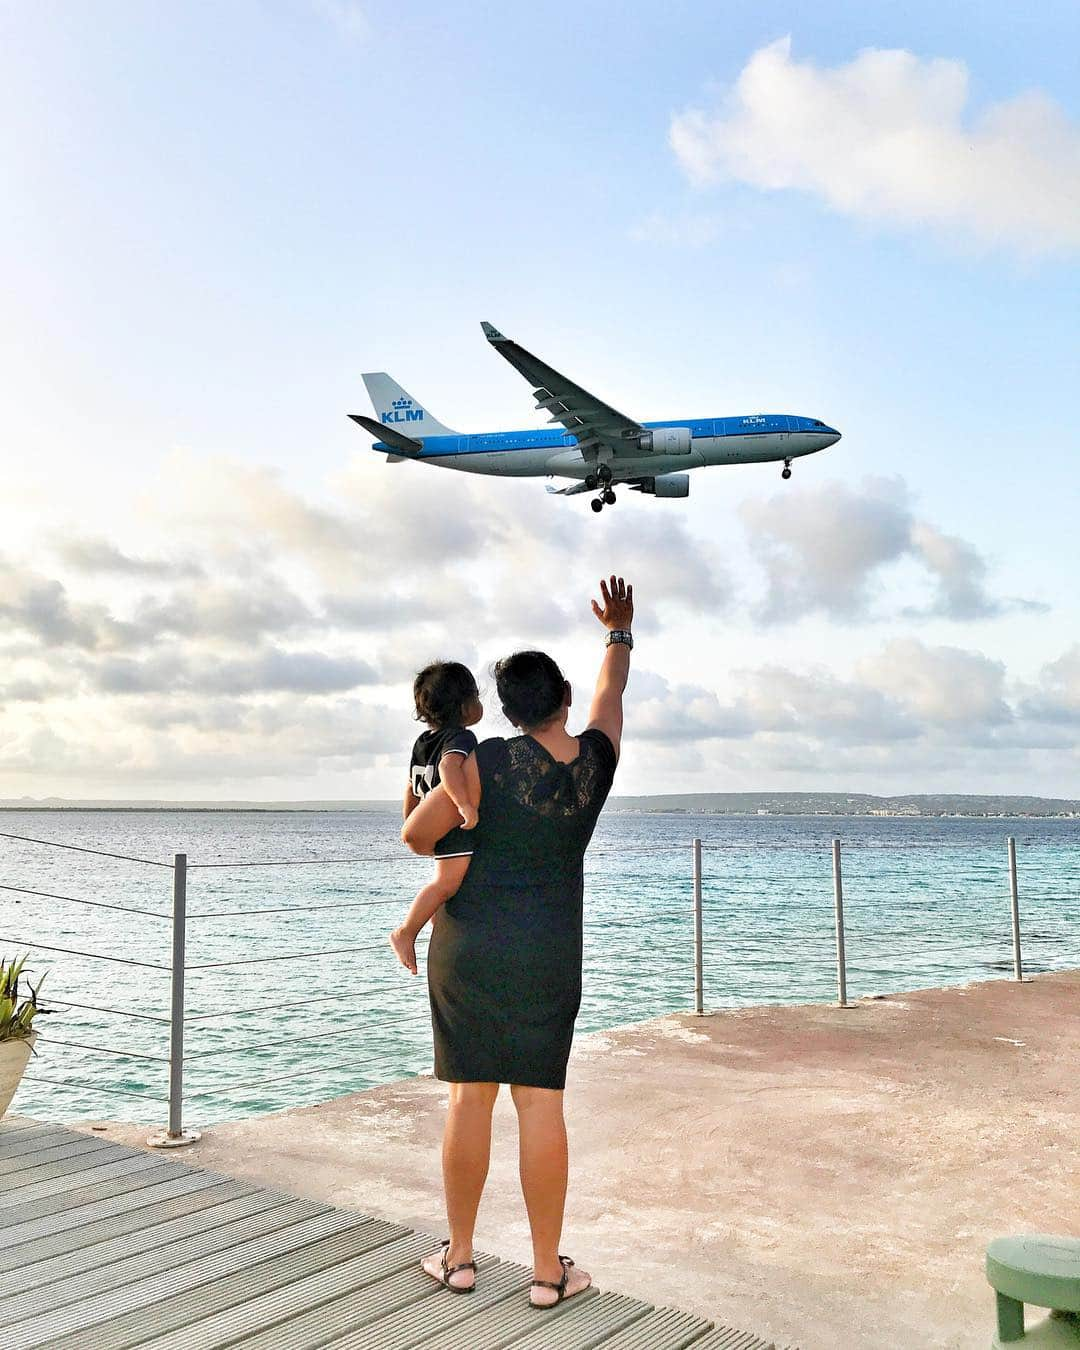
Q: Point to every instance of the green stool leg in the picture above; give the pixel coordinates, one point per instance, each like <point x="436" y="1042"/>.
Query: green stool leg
<point x="1010" y="1319"/>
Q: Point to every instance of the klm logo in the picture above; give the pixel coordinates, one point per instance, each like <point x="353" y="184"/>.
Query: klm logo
<point x="402" y="410"/>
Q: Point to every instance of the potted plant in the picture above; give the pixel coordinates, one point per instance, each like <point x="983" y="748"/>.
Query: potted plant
<point x="17" y="1013"/>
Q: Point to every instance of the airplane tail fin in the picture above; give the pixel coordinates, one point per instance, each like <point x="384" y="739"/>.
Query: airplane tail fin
<point x="398" y="411"/>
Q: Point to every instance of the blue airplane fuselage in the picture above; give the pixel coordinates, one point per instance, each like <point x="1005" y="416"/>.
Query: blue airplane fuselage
<point x="756" y="439"/>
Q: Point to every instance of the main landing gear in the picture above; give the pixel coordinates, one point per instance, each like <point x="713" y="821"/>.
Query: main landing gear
<point x="786" y="471"/>
<point x="600" y="479"/>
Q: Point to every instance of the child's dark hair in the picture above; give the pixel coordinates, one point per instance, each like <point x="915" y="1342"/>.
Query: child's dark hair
<point x="443" y="692"/>
<point x="531" y="688"/>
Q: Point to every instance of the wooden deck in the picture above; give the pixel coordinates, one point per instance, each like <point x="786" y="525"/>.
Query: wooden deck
<point x="103" y="1246"/>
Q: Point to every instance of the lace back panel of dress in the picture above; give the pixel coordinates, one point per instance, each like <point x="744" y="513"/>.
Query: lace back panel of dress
<point x="545" y="786"/>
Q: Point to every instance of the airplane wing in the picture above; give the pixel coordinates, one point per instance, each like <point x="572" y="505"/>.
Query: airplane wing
<point x="595" y="425"/>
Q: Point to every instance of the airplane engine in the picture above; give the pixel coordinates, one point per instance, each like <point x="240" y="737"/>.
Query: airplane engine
<point x="666" y="441"/>
<point x="667" y="485"/>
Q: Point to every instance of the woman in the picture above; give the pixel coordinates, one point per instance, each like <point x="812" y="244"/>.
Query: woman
<point x="504" y="961"/>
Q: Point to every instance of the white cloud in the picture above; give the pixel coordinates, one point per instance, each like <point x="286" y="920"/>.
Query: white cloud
<point x="824" y="550"/>
<point x="888" y="137"/>
<point x="941" y="686"/>
<point x="95" y="555"/>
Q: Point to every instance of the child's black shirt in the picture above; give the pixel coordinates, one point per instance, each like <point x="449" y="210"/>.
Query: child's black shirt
<point x="429" y="750"/>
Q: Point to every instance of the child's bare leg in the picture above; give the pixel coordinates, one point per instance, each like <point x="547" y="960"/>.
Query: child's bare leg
<point x="449" y="874"/>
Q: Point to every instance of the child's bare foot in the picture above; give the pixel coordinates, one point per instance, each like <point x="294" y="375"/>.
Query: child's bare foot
<point x="404" y="949"/>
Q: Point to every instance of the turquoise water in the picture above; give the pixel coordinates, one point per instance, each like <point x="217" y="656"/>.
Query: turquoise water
<point x="926" y="903"/>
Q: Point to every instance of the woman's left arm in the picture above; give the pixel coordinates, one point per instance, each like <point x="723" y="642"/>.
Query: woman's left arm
<point x="437" y="815"/>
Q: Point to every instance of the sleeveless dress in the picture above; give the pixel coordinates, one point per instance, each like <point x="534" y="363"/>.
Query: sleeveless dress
<point x="504" y="960"/>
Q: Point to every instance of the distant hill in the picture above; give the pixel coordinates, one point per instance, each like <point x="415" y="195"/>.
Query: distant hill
<point x="848" y="804"/>
<point x="692" y="803"/>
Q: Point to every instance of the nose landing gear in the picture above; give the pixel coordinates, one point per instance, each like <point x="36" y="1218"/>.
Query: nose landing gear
<point x="606" y="498"/>
<point x="786" y="471"/>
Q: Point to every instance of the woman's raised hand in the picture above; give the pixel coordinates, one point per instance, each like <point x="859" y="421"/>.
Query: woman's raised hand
<point x="617" y="611"/>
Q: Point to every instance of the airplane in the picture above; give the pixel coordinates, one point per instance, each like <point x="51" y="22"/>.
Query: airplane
<point x="597" y="446"/>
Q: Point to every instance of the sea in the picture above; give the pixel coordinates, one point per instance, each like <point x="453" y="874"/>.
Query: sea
<point x="293" y="996"/>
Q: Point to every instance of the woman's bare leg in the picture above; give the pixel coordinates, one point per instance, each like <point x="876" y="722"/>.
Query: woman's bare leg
<point x="465" y="1156"/>
<point x="543" y="1165"/>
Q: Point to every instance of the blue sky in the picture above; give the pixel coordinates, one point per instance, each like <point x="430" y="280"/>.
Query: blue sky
<point x="219" y="215"/>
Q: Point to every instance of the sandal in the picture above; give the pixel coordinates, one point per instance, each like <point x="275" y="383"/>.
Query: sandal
<point x="559" y="1288"/>
<point x="446" y="1271"/>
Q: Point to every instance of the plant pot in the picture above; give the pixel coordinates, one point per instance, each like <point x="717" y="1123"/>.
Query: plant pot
<point x="13" y="1058"/>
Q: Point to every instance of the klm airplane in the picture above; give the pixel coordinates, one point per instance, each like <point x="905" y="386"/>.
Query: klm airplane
<point x="597" y="446"/>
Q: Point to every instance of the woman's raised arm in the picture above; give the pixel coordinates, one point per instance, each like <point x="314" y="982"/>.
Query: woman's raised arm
<point x="437" y="815"/>
<point x="616" y="613"/>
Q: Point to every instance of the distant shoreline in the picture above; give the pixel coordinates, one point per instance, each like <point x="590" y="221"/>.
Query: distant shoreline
<point x="926" y="806"/>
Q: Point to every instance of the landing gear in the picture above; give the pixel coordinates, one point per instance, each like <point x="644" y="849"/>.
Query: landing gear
<point x="786" y="471"/>
<point x="600" y="479"/>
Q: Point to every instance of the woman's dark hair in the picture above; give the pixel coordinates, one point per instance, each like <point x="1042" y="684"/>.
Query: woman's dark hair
<point x="531" y="688"/>
<point x="442" y="692"/>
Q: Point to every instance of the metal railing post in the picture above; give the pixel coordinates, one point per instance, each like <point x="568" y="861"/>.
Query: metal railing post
<point x="1018" y="966"/>
<point x="838" y="896"/>
<point x="699" y="964"/>
<point x="176" y="1135"/>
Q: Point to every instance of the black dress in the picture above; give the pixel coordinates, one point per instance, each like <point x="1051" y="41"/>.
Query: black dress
<point x="504" y="961"/>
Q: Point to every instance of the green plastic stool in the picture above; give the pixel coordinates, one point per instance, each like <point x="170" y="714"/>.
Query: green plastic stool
<point x="1045" y="1271"/>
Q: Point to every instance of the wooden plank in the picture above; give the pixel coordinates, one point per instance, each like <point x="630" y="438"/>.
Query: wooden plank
<point x="506" y="1323"/>
<point x="660" y="1329"/>
<point x="415" y="1324"/>
<point x="730" y="1338"/>
<point x="308" y="1312"/>
<point x="72" y="1180"/>
<point x="10" y="1125"/>
<point x="121" y="1199"/>
<point x="596" y="1321"/>
<point x="77" y="1288"/>
<point x="22" y="1142"/>
<point x="14" y="1168"/>
<point x="159" y="1243"/>
<point x="125" y="1316"/>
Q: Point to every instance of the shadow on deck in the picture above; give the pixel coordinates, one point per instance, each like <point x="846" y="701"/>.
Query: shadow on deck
<point x="103" y="1246"/>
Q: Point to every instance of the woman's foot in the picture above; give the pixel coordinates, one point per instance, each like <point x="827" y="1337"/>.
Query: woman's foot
<point x="576" y="1282"/>
<point x="460" y="1280"/>
<point x="404" y="949"/>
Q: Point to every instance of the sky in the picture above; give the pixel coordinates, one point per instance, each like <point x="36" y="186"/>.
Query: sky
<point x="216" y="216"/>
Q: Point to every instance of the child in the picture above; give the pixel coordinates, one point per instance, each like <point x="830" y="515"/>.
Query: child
<point x="448" y="700"/>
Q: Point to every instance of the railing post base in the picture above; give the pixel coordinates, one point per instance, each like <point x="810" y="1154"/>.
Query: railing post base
<point x="167" y="1140"/>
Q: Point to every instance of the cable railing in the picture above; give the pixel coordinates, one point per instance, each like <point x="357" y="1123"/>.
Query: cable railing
<point x="675" y="946"/>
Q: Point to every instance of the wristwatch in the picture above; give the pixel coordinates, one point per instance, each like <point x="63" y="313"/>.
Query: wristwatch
<point x="622" y="635"/>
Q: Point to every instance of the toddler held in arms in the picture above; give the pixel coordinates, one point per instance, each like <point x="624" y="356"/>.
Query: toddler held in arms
<point x="448" y="700"/>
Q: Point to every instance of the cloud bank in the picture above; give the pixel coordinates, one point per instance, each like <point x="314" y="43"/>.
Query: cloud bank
<point x="278" y="641"/>
<point x="888" y="137"/>
<point x="826" y="550"/>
